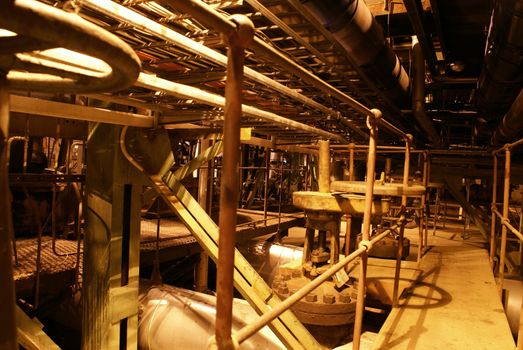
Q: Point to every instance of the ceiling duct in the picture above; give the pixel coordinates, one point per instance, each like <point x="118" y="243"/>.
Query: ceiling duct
<point x="354" y="27"/>
<point x="511" y="125"/>
<point x="501" y="78"/>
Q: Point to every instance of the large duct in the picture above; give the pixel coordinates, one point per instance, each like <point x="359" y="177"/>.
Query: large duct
<point x="354" y="27"/>
<point x="418" y="94"/>
<point x="501" y="78"/>
<point x="511" y="125"/>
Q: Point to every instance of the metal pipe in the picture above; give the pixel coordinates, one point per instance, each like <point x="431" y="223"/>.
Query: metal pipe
<point x="511" y="125"/>
<point x="506" y="195"/>
<point x="324" y="166"/>
<point x="238" y="40"/>
<point x="266" y="181"/>
<point x="492" y="252"/>
<point x="222" y="24"/>
<point x="7" y="291"/>
<point x="418" y="93"/>
<point x="355" y="29"/>
<point x="348" y="224"/>
<point x="286" y="304"/>
<point x="500" y="79"/>
<point x="372" y="124"/>
<point x="399" y="253"/>
<point x="191" y="93"/>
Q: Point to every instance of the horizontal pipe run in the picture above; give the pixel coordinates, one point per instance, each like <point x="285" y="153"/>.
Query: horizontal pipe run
<point x="127" y="16"/>
<point x="191" y="93"/>
<point x="252" y="328"/>
<point x="506" y="222"/>
<point x="46" y="108"/>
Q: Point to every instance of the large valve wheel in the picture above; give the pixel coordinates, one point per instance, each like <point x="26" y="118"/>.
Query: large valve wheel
<point x="111" y="64"/>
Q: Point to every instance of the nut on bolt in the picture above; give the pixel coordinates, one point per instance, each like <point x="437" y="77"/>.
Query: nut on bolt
<point x="283" y="288"/>
<point x="311" y="298"/>
<point x="329" y="299"/>
<point x="345" y="297"/>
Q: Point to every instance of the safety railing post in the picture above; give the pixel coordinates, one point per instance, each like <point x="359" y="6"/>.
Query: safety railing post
<point x="492" y="254"/>
<point x="399" y="252"/>
<point x="506" y="194"/>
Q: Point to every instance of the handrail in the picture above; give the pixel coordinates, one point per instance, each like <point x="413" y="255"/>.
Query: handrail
<point x="364" y="246"/>
<point x="505" y="221"/>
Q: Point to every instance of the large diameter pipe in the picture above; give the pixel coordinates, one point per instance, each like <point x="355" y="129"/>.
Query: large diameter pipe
<point x="511" y="125"/>
<point x="175" y="318"/>
<point x="356" y="30"/>
<point x="500" y="79"/>
<point x="418" y="94"/>
<point x="238" y="40"/>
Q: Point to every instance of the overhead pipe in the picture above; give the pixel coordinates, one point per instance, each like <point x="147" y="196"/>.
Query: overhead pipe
<point x="511" y="125"/>
<point x="501" y="78"/>
<point x="356" y="30"/>
<point x="418" y="93"/>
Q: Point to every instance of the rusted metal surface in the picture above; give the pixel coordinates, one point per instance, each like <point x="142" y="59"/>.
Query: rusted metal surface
<point x="41" y="74"/>
<point x="7" y="290"/>
<point x="344" y="203"/>
<point x="238" y="40"/>
<point x="385" y="189"/>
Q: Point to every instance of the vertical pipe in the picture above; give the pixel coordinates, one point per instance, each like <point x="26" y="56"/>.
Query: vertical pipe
<point x="388" y="167"/>
<point x="324" y="166"/>
<point x="492" y="254"/>
<point x="238" y="40"/>
<point x="426" y="180"/>
<point x="506" y="194"/>
<point x="348" y="230"/>
<point x="399" y="253"/>
<point x="202" y="267"/>
<point x="7" y="291"/>
<point x="266" y="182"/>
<point x="520" y="331"/>
<point x="372" y="123"/>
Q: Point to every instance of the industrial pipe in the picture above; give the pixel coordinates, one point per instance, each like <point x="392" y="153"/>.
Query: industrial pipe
<point x="238" y="40"/>
<point x="511" y="125"/>
<point x="501" y="76"/>
<point x="324" y="162"/>
<point x="506" y="198"/>
<point x="418" y="94"/>
<point x="356" y="30"/>
<point x="178" y="318"/>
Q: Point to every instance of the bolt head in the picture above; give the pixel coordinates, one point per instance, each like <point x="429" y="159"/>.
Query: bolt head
<point x="329" y="299"/>
<point x="311" y="298"/>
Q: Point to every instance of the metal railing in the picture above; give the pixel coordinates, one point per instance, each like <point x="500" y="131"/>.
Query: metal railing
<point x="505" y="221"/>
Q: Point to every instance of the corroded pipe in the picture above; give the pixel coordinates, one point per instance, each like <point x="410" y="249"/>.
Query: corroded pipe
<point x="238" y="40"/>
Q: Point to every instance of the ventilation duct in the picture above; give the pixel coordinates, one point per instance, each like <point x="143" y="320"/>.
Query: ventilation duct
<point x="354" y="27"/>
<point x="501" y="78"/>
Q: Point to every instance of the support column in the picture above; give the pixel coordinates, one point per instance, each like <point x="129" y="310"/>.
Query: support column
<point x="111" y="244"/>
<point x="7" y="289"/>
<point x="506" y="197"/>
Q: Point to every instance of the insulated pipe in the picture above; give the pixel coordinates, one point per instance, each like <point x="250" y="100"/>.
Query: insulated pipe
<point x="511" y="125"/>
<point x="175" y="318"/>
<point x="501" y="76"/>
<point x="418" y="94"/>
<point x="356" y="30"/>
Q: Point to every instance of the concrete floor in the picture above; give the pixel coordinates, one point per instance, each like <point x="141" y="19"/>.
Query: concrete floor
<point x="454" y="304"/>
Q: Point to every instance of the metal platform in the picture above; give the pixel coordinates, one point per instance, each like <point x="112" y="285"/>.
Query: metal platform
<point x="454" y="304"/>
